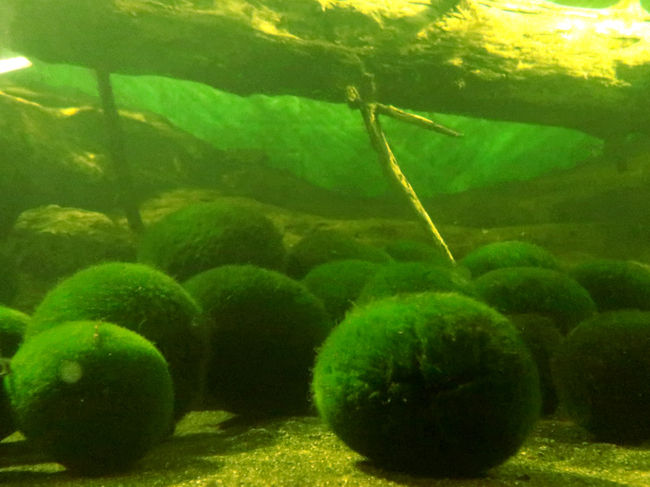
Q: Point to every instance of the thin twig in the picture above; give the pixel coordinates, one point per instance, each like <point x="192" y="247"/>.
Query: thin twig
<point x="418" y="120"/>
<point x="389" y="163"/>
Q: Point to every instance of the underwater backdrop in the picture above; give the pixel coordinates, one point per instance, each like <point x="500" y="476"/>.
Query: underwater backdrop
<point x="324" y="242"/>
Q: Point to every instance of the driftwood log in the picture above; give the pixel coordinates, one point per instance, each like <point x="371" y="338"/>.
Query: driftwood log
<point x="520" y="60"/>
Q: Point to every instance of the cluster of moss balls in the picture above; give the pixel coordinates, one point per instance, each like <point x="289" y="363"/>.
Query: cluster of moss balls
<point x="111" y="356"/>
<point x="141" y="299"/>
<point x="116" y="352"/>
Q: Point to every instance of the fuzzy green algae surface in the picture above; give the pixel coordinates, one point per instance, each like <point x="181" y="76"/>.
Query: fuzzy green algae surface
<point x="215" y="449"/>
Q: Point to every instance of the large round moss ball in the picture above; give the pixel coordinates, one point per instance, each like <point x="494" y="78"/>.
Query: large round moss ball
<point x="205" y="235"/>
<point x="514" y="290"/>
<point x="12" y="328"/>
<point x="602" y="373"/>
<point x="141" y="299"/>
<point x="431" y="383"/>
<point x="263" y="331"/>
<point x="322" y="246"/>
<point x="615" y="284"/>
<point x="508" y="253"/>
<point x="93" y="395"/>
<point x="339" y="283"/>
<point x="414" y="277"/>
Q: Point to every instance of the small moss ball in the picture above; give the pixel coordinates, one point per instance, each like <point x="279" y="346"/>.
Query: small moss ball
<point x="206" y="235"/>
<point x="263" y="329"/>
<point x="323" y="246"/>
<point x="543" y="339"/>
<point x="602" y="374"/>
<point x="514" y="290"/>
<point x="339" y="283"/>
<point x="413" y="277"/>
<point x="434" y="383"/>
<point x="615" y="284"/>
<point x="414" y="251"/>
<point x="93" y="395"/>
<point x="12" y="328"/>
<point x="509" y="253"/>
<point x="141" y="299"/>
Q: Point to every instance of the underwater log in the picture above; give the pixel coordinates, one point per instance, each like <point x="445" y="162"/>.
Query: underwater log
<point x="522" y="60"/>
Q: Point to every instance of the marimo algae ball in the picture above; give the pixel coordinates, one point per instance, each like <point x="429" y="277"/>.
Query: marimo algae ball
<point x="508" y="253"/>
<point x="12" y="328"/>
<point x="93" y="395"/>
<point x="430" y="383"/>
<point x="206" y="235"/>
<point x="263" y="330"/>
<point x="602" y="373"/>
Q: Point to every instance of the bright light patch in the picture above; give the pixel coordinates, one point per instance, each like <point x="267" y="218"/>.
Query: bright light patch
<point x="13" y="64"/>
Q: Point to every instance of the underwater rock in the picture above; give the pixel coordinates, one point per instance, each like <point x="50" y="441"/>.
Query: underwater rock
<point x="430" y="383"/>
<point x="322" y="246"/>
<point x="509" y="253"/>
<point x="12" y="328"/>
<point x="339" y="283"/>
<point x="513" y="290"/>
<point x="602" y="372"/>
<point x="94" y="396"/>
<point x="414" y="277"/>
<point x="206" y="235"/>
<point x="141" y="299"/>
<point x="263" y="330"/>
<point x="50" y="242"/>
<point x="615" y="284"/>
<point x="53" y="151"/>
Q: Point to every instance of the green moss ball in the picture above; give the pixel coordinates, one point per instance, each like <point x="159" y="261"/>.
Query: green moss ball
<point x="94" y="396"/>
<point x="509" y="253"/>
<point x="323" y="246"/>
<point x="433" y="383"/>
<point x="413" y="277"/>
<point x="414" y="251"/>
<point x="615" y="284"/>
<point x="202" y="236"/>
<point x="141" y="299"/>
<point x="543" y="339"/>
<point x="263" y="331"/>
<point x="602" y="375"/>
<point x="12" y="328"/>
<point x="339" y="283"/>
<point x="534" y="290"/>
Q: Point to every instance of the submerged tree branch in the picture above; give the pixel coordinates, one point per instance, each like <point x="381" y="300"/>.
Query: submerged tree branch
<point x="520" y="60"/>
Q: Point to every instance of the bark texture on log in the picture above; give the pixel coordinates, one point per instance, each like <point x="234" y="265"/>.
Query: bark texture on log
<point x="523" y="60"/>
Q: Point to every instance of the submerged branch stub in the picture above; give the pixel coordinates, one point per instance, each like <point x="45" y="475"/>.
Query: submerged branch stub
<point x="369" y="112"/>
<point x="117" y="152"/>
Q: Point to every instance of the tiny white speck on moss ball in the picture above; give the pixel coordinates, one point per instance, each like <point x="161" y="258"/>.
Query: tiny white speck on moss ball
<point x="70" y="371"/>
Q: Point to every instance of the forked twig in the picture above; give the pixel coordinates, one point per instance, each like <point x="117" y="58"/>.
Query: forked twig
<point x="369" y="112"/>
